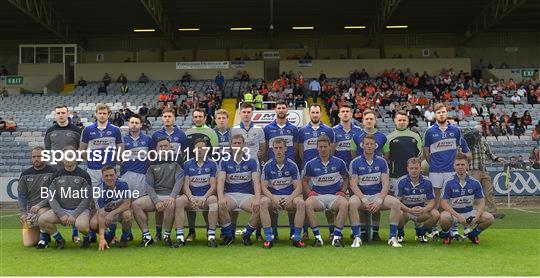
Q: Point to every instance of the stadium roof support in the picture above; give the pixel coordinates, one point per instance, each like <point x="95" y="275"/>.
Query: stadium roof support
<point x="156" y="11"/>
<point x="42" y="12"/>
<point x="384" y="12"/>
<point x="493" y="13"/>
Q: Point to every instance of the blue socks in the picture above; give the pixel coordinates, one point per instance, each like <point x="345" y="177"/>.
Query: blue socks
<point x="338" y="232"/>
<point x="268" y="233"/>
<point x="355" y="230"/>
<point x="316" y="231"/>
<point x="297" y="233"/>
<point x="74" y="231"/>
<point x="420" y="231"/>
<point x="125" y="234"/>
<point x="476" y="231"/>
<point x="331" y="228"/>
<point x="249" y="230"/>
<point x="393" y="230"/>
<point x="158" y="230"/>
<point x="57" y="236"/>
<point x="227" y="230"/>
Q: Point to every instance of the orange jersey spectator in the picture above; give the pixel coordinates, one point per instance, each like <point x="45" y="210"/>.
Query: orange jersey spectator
<point x="447" y="95"/>
<point x="423" y="101"/>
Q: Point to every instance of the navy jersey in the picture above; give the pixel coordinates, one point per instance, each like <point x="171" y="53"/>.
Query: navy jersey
<point x="224" y="139"/>
<point x="461" y="197"/>
<point x="177" y="138"/>
<point x="415" y="195"/>
<point x="98" y="140"/>
<point x="238" y="176"/>
<point x="139" y="148"/>
<point x="280" y="177"/>
<point x="307" y="136"/>
<point x="111" y="199"/>
<point x="380" y="140"/>
<point x="199" y="175"/>
<point x="443" y="147"/>
<point x="326" y="178"/>
<point x="289" y="132"/>
<point x="369" y="174"/>
<point x="344" y="140"/>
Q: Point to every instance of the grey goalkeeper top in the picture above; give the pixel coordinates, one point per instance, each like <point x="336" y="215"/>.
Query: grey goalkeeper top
<point x="164" y="178"/>
<point x="30" y="185"/>
<point x="72" y="192"/>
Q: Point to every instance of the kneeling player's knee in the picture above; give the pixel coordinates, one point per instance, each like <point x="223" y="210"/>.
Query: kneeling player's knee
<point x="488" y="217"/>
<point x="435" y="213"/>
<point x="126" y="215"/>
<point x="265" y="202"/>
<point x="300" y="204"/>
<point x="82" y="226"/>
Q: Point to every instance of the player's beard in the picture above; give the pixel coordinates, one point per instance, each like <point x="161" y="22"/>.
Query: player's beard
<point x="282" y="116"/>
<point x="134" y="130"/>
<point x="443" y="122"/>
<point x="315" y="123"/>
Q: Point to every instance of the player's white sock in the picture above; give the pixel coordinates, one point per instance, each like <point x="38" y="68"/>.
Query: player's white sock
<point x="211" y="237"/>
<point x="180" y="238"/>
<point x="319" y="237"/>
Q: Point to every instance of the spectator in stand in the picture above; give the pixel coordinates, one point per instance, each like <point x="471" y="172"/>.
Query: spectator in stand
<point x="534" y="158"/>
<point x="220" y="81"/>
<point x="107" y="79"/>
<point x="245" y="76"/>
<point x="519" y="129"/>
<point x="2" y="125"/>
<point x="515" y="164"/>
<point x="498" y="98"/>
<point x="186" y="78"/>
<point x="521" y="91"/>
<point x="118" y="119"/>
<point x="163" y="88"/>
<point x="238" y="76"/>
<point x="143" y="79"/>
<point x="175" y="89"/>
<point x="82" y="82"/>
<point x="536" y="133"/>
<point x="4" y="71"/>
<point x="526" y="119"/>
<point x="124" y="89"/>
<point x="515" y="99"/>
<point x="429" y="115"/>
<point x="495" y="129"/>
<point x="121" y="79"/>
<point x="153" y="112"/>
<point x="143" y="111"/>
<point x="315" y="89"/>
<point x="4" y="92"/>
<point x="76" y="120"/>
<point x="102" y="89"/>
<point x="146" y="125"/>
<point x="514" y="118"/>
<point x="505" y="129"/>
<point x="11" y="125"/>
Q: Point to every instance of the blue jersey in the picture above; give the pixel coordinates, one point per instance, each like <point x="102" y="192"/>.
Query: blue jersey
<point x="98" y="140"/>
<point x="307" y="136"/>
<point x="224" y="139"/>
<point x="177" y="138"/>
<point x="415" y="195"/>
<point x="461" y="197"/>
<point x="289" y="132"/>
<point x="326" y="179"/>
<point x="343" y="140"/>
<point x="380" y="140"/>
<point x="139" y="148"/>
<point x="369" y="174"/>
<point x="238" y="176"/>
<point x="199" y="175"/>
<point x="111" y="199"/>
<point x="280" y="179"/>
<point x="443" y="147"/>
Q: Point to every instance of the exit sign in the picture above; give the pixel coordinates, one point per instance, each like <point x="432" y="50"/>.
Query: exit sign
<point x="14" y="80"/>
<point x="527" y="73"/>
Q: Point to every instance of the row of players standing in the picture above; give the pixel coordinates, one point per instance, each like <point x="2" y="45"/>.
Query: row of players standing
<point x="441" y="146"/>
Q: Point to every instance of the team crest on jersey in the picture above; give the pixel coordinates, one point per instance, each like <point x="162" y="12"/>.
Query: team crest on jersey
<point x="77" y="180"/>
<point x="245" y="167"/>
<point x="92" y="133"/>
<point x="109" y="132"/>
<point x="451" y="134"/>
<point x="377" y="168"/>
<point x="175" y="138"/>
<point x="171" y="166"/>
<point x="287" y="173"/>
<point x="279" y="174"/>
<point x="207" y="170"/>
<point x="470" y="191"/>
<point x="347" y="136"/>
<point x="29" y="179"/>
<point x="199" y="172"/>
<point x="333" y="168"/>
<point x="135" y="144"/>
<point x="157" y="169"/>
<point x="315" y="133"/>
<point x="422" y="190"/>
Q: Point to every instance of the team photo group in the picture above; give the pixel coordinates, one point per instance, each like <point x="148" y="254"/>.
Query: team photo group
<point x="349" y="173"/>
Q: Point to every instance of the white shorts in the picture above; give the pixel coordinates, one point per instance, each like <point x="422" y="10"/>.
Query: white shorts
<point x="239" y="198"/>
<point x="135" y="181"/>
<point x="437" y="179"/>
<point x="394" y="185"/>
<point x="370" y="199"/>
<point x="466" y="215"/>
<point x="95" y="176"/>
<point x="71" y="211"/>
<point x="326" y="200"/>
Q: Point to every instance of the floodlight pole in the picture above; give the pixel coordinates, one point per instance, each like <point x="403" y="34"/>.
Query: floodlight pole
<point x="384" y="12"/>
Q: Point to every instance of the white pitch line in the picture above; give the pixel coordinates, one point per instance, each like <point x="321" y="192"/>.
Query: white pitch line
<point x="524" y="210"/>
<point x="10" y="215"/>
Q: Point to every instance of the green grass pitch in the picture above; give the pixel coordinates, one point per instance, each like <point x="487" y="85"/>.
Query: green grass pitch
<point x="510" y="247"/>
